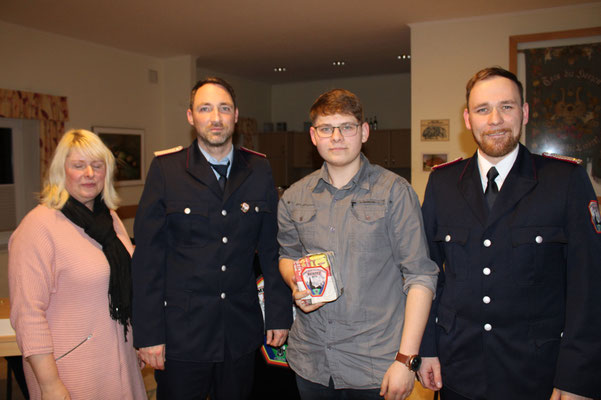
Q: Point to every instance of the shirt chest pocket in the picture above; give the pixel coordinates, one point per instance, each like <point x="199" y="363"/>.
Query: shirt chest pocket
<point x="537" y="252"/>
<point x="304" y="219"/>
<point x="368" y="230"/>
<point x="187" y="224"/>
<point x="453" y="240"/>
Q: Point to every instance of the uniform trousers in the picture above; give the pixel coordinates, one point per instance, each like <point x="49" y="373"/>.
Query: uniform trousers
<point x="448" y="394"/>
<point x="231" y="379"/>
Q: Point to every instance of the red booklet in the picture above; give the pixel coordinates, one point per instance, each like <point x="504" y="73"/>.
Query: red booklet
<point x="315" y="273"/>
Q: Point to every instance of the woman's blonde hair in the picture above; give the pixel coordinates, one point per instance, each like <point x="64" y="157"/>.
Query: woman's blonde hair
<point x="54" y="194"/>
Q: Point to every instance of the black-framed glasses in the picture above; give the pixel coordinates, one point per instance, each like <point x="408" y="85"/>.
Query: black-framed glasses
<point x="347" y="129"/>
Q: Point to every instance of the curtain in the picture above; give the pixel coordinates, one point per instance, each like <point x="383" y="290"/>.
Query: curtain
<point x="50" y="110"/>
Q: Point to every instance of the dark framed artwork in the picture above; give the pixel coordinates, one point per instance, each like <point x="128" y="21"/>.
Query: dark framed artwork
<point x="561" y="72"/>
<point x="563" y="89"/>
<point x="127" y="145"/>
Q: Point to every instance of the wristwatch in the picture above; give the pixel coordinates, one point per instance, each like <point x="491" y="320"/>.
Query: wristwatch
<point x="412" y="362"/>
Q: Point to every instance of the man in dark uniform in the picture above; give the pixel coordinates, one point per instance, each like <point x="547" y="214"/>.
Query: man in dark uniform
<point x="517" y="313"/>
<point x="204" y="212"/>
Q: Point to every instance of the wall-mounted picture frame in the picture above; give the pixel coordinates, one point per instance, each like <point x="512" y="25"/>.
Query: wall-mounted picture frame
<point x="434" y="130"/>
<point x="127" y="145"/>
<point x="431" y="160"/>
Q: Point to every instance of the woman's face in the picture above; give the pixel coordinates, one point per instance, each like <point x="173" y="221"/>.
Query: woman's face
<point x="84" y="177"/>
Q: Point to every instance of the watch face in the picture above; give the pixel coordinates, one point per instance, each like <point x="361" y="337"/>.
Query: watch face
<point x="416" y="362"/>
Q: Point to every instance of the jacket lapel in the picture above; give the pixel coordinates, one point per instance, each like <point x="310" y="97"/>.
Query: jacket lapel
<point x="239" y="172"/>
<point x="198" y="166"/>
<point x="470" y="187"/>
<point x="520" y="181"/>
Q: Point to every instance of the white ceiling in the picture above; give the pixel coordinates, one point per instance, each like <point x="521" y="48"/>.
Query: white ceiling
<point x="249" y="38"/>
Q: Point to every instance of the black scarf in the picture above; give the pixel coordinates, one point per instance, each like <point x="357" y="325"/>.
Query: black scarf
<point x="98" y="224"/>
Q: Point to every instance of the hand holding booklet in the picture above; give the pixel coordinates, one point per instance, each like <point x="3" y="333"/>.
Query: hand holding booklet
<point x="314" y="272"/>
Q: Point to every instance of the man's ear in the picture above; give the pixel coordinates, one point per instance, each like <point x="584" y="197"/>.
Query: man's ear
<point x="189" y="115"/>
<point x="364" y="132"/>
<point x="236" y="115"/>
<point x="466" y="119"/>
<point x="313" y="136"/>
<point x="525" y="112"/>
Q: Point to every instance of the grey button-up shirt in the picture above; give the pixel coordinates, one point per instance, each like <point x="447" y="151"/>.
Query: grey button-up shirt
<point x="374" y="225"/>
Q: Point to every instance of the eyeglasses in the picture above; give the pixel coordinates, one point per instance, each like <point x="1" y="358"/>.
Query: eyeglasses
<point x="347" y="130"/>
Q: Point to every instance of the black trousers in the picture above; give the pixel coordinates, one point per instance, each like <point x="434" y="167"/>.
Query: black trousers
<point x="447" y="394"/>
<point x="231" y="379"/>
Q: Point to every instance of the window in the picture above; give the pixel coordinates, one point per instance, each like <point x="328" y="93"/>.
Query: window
<point x="19" y="172"/>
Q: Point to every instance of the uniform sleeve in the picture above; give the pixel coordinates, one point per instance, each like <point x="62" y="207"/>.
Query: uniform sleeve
<point x="31" y="281"/>
<point x="428" y="346"/>
<point x="579" y="361"/>
<point x="278" y="301"/>
<point x="148" y="263"/>
<point x="406" y="231"/>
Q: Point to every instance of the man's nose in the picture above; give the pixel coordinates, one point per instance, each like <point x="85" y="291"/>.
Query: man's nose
<point x="495" y="117"/>
<point x="215" y="115"/>
<point x="337" y="134"/>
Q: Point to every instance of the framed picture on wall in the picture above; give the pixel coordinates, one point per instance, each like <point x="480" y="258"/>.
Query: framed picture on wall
<point x="434" y="130"/>
<point x="127" y="145"/>
<point x="431" y="160"/>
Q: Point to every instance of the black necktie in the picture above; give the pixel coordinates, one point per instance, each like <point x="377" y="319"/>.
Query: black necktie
<point x="222" y="171"/>
<point x="491" y="188"/>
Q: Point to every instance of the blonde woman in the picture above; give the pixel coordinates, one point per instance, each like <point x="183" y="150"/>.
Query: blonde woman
<point x="70" y="282"/>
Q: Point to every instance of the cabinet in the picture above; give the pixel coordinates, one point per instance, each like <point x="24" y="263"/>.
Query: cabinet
<point x="275" y="146"/>
<point x="391" y="149"/>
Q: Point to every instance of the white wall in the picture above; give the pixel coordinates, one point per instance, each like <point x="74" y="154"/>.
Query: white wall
<point x="386" y="96"/>
<point x="180" y="76"/>
<point x="445" y="54"/>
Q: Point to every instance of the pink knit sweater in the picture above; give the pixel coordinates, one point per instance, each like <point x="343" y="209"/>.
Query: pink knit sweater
<point x="58" y="280"/>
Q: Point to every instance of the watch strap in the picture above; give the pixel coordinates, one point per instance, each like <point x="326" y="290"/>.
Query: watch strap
<point x="405" y="360"/>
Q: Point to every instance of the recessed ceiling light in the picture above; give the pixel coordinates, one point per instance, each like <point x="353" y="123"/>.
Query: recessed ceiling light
<point x="338" y="63"/>
<point x="404" y="57"/>
<point x="279" y="69"/>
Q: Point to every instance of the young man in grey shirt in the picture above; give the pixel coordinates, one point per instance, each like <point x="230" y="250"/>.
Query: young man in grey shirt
<point x="365" y="343"/>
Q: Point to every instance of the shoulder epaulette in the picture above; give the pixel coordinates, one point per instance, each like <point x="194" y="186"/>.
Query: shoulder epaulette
<point x="569" y="159"/>
<point x="439" y="166"/>
<point x="172" y="150"/>
<point x="253" y="152"/>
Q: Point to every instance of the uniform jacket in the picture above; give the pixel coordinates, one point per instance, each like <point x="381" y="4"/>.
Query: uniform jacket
<point x="194" y="284"/>
<point x="518" y="306"/>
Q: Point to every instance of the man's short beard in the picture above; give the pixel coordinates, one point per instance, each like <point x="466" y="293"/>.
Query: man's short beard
<point x="498" y="151"/>
<point x="221" y="143"/>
